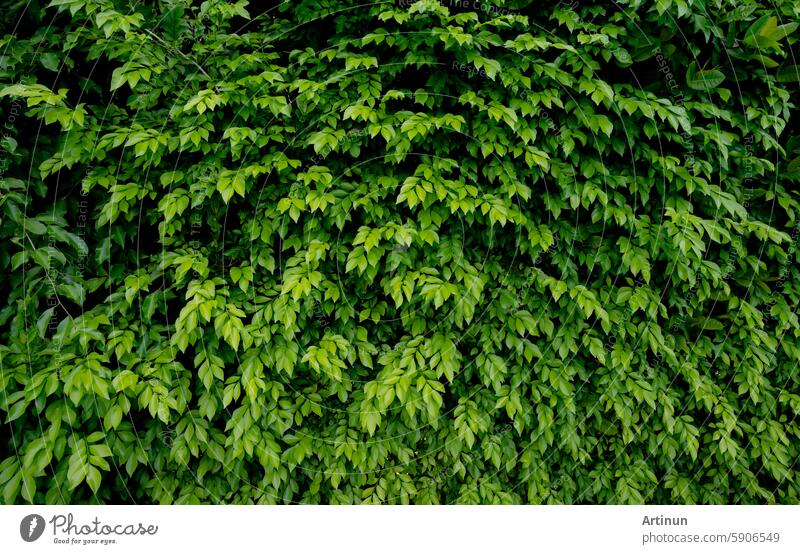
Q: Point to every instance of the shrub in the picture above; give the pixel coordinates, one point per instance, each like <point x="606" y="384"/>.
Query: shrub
<point x="428" y="252"/>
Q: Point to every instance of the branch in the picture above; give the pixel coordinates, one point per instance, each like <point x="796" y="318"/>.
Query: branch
<point x="178" y="52"/>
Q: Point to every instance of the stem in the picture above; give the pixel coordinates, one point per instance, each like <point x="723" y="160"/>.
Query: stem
<point x="178" y="52"/>
<point x="52" y="283"/>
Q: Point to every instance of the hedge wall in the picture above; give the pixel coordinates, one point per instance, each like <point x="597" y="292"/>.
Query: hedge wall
<point x="423" y="252"/>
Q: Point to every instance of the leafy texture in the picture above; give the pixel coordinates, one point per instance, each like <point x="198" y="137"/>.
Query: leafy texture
<point x="428" y="252"/>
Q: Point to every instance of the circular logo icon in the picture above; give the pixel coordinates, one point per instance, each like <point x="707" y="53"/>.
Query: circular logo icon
<point x="31" y="527"/>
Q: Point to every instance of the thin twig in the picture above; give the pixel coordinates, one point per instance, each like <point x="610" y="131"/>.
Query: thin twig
<point x="176" y="51"/>
<point x="52" y="283"/>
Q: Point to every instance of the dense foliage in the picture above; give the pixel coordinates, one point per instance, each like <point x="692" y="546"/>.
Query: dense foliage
<point x="429" y="252"/>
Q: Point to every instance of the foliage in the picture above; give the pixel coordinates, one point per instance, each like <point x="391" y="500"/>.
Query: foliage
<point x="428" y="252"/>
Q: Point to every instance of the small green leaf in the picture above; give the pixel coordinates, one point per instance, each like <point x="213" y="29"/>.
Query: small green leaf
<point x="44" y="321"/>
<point x="706" y="80"/>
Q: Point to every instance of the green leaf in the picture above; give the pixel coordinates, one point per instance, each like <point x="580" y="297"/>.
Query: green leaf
<point x="43" y="321"/>
<point x="789" y="74"/>
<point x="706" y="80"/>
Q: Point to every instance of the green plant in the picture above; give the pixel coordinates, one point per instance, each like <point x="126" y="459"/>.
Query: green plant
<point x="415" y="252"/>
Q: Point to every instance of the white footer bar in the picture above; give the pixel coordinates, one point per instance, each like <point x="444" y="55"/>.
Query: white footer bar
<point x="390" y="529"/>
